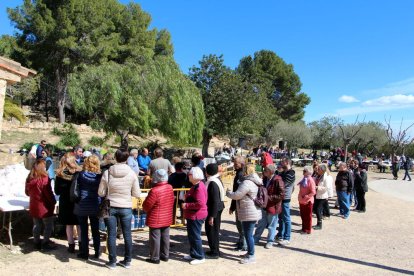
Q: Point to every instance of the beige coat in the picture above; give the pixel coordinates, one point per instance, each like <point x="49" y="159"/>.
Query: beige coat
<point x="123" y="183"/>
<point x="246" y="209"/>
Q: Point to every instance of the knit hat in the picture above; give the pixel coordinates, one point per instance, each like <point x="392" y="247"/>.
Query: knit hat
<point x="160" y="175"/>
<point x="212" y="169"/>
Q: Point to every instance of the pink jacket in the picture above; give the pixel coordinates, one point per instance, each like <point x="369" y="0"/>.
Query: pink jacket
<point x="196" y="202"/>
<point x="306" y="194"/>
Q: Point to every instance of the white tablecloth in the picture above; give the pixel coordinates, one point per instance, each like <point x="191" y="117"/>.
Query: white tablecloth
<point x="10" y="204"/>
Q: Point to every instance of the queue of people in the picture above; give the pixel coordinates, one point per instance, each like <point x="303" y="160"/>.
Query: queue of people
<point x="117" y="183"/>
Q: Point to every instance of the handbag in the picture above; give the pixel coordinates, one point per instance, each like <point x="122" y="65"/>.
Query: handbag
<point x="74" y="189"/>
<point x="105" y="205"/>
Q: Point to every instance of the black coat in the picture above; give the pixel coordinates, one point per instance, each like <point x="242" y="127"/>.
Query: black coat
<point x="214" y="203"/>
<point x="344" y="181"/>
<point x="361" y="181"/>
<point x="236" y="182"/>
<point x="62" y="189"/>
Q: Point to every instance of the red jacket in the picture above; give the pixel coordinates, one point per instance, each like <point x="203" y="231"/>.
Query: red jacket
<point x="266" y="159"/>
<point x="42" y="200"/>
<point x="159" y="205"/>
<point x="196" y="202"/>
<point x="276" y="192"/>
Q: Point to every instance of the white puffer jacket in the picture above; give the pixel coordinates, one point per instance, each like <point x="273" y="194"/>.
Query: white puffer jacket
<point x="123" y="183"/>
<point x="246" y="209"/>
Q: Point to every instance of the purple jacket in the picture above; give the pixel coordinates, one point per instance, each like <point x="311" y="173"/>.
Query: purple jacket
<point x="196" y="202"/>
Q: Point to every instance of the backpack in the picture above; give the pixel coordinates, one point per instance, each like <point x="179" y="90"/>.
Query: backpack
<point x="262" y="197"/>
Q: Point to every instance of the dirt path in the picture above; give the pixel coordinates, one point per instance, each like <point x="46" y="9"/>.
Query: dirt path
<point x="378" y="242"/>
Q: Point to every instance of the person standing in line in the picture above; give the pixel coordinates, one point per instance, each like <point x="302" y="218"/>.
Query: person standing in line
<point x="407" y="167"/>
<point x="215" y="206"/>
<point x="132" y="161"/>
<point x="88" y="205"/>
<point x="307" y="191"/>
<point x="361" y="187"/>
<point x="195" y="212"/>
<point x="322" y="194"/>
<point x="239" y="164"/>
<point x="42" y="205"/>
<point x="285" y="224"/>
<point x="247" y="211"/>
<point x="64" y="176"/>
<point x="159" y="163"/>
<point x="344" y="184"/>
<point x="395" y="166"/>
<point x="158" y="206"/>
<point x="119" y="184"/>
<point x="275" y="190"/>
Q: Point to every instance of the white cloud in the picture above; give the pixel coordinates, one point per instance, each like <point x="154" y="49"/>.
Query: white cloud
<point x="348" y="99"/>
<point x="401" y="87"/>
<point x="394" y="100"/>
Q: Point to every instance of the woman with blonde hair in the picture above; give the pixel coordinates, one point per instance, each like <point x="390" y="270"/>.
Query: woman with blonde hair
<point x="64" y="176"/>
<point x="88" y="205"/>
<point x="247" y="212"/>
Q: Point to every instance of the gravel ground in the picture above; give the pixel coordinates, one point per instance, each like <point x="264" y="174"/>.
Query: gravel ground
<point x="378" y="242"/>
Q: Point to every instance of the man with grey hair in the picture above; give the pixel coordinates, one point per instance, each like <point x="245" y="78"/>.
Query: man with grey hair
<point x="132" y="161"/>
<point x="275" y="190"/>
<point x="344" y="184"/>
<point x="239" y="163"/>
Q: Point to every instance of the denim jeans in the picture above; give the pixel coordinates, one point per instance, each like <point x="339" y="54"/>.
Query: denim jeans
<point x="344" y="204"/>
<point x="407" y="174"/>
<point x="268" y="221"/>
<point x="194" y="237"/>
<point x="84" y="243"/>
<point x="37" y="229"/>
<point x="285" y="225"/>
<point x="248" y="228"/>
<point x="241" y="244"/>
<point x="124" y="215"/>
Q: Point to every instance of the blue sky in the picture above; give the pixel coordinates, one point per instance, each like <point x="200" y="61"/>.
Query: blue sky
<point x="353" y="57"/>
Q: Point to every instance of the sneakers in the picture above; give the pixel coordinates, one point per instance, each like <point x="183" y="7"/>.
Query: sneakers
<point x="284" y="242"/>
<point x="188" y="258"/>
<point x="125" y="264"/>
<point x="248" y="260"/>
<point x="110" y="265"/>
<point x="197" y="261"/>
<point x="269" y="245"/>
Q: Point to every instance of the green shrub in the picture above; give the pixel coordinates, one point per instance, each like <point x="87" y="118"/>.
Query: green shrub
<point x="117" y="139"/>
<point x="70" y="139"/>
<point x="56" y="131"/>
<point x="27" y="146"/>
<point x="96" y="141"/>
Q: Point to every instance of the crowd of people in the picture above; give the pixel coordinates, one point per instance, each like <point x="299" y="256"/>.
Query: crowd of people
<point x="84" y="182"/>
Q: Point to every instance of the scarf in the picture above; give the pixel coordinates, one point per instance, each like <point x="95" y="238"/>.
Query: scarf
<point x="304" y="182"/>
<point x="215" y="178"/>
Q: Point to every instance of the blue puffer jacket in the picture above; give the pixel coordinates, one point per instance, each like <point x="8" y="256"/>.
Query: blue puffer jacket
<point x="89" y="202"/>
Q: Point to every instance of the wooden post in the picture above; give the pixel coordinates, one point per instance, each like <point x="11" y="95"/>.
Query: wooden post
<point x="3" y="86"/>
<point x="10" y="72"/>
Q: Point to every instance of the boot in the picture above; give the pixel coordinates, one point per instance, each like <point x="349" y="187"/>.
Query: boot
<point x="318" y="225"/>
<point x="71" y="248"/>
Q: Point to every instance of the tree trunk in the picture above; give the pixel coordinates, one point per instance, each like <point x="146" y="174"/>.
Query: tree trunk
<point x="47" y="103"/>
<point x="206" y="142"/>
<point x="346" y="153"/>
<point x="123" y="134"/>
<point x="61" y="87"/>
